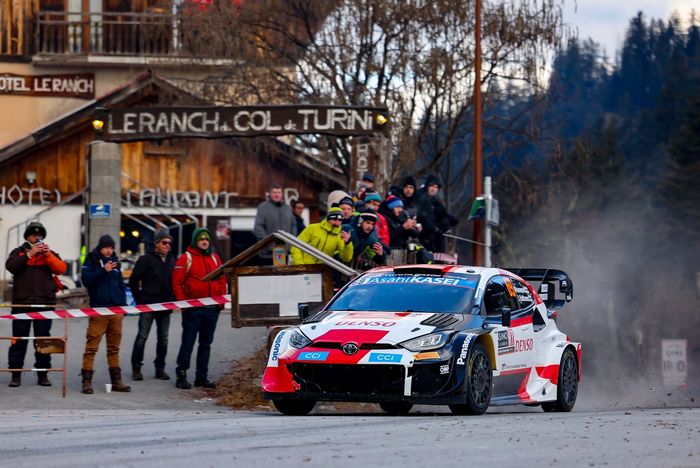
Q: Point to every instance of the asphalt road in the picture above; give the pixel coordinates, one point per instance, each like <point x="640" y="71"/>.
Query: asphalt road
<point x="639" y="438"/>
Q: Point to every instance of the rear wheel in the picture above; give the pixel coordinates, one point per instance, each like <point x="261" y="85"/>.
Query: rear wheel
<point x="294" y="407"/>
<point x="479" y="382"/>
<point x="567" y="385"/>
<point x="396" y="408"/>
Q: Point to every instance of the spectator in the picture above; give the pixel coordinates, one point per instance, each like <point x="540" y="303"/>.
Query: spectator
<point x="368" y="251"/>
<point x="401" y="227"/>
<point x="273" y="215"/>
<point x="103" y="279"/>
<point x="297" y="210"/>
<point x="327" y="237"/>
<point x="190" y="268"/>
<point x="433" y="216"/>
<point x="373" y="201"/>
<point x="151" y="282"/>
<point x="347" y="208"/>
<point x="33" y="266"/>
<point x="366" y="185"/>
<point x="409" y="197"/>
<point x="334" y="198"/>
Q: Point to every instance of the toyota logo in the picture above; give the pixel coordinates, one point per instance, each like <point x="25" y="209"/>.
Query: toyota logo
<point x="350" y="348"/>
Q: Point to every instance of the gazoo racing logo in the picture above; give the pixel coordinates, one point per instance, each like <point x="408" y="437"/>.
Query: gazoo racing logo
<point x="461" y="360"/>
<point x="276" y="345"/>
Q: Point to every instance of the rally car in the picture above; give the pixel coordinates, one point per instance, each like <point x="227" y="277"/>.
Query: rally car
<point x="467" y="337"/>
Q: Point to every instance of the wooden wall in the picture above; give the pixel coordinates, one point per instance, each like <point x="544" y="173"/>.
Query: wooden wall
<point x="187" y="165"/>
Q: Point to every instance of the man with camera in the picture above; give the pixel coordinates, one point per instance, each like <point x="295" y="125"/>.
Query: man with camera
<point x="33" y="266"/>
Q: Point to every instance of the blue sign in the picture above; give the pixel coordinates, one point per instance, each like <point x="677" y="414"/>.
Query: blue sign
<point x="385" y="357"/>
<point x="101" y="211"/>
<point x="313" y="356"/>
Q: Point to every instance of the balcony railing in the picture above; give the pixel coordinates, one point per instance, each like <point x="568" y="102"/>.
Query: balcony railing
<point x="137" y="34"/>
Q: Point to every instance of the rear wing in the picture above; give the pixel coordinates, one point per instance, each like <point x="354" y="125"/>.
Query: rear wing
<point x="546" y="277"/>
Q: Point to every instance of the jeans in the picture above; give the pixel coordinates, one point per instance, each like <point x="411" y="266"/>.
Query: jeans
<point x="202" y="321"/>
<point x="162" y="320"/>
<point x="19" y="349"/>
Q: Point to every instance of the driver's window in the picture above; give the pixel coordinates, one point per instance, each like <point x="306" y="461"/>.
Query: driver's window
<point x="496" y="296"/>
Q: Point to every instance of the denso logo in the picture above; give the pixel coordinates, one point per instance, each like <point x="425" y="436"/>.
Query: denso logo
<point x="364" y="323"/>
<point x="277" y="344"/>
<point x="465" y="350"/>
<point x="523" y="345"/>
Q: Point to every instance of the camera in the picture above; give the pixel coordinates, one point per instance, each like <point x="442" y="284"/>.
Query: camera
<point x="39" y="240"/>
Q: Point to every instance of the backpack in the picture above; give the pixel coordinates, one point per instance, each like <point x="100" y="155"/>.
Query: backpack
<point x="189" y="261"/>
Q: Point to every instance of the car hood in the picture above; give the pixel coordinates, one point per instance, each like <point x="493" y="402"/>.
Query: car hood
<point x="370" y="327"/>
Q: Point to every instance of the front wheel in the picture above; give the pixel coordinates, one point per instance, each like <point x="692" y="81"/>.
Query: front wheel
<point x="567" y="385"/>
<point x="294" y="407"/>
<point x="479" y="383"/>
<point x="396" y="408"/>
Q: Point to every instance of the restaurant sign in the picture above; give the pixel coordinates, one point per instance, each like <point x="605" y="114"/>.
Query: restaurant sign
<point x="247" y="121"/>
<point x="81" y="85"/>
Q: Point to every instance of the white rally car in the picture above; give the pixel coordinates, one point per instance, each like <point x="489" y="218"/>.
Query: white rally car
<point x="467" y="337"/>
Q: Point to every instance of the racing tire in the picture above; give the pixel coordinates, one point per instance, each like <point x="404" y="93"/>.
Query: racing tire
<point x="479" y="383"/>
<point x="567" y="385"/>
<point x="396" y="408"/>
<point x="294" y="407"/>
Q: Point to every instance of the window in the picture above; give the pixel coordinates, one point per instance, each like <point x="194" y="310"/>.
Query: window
<point x="496" y="296"/>
<point x="525" y="298"/>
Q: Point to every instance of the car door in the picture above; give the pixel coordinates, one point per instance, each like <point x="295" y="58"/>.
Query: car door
<point x="514" y="345"/>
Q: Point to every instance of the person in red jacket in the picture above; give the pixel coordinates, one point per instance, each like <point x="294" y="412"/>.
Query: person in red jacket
<point x="197" y="261"/>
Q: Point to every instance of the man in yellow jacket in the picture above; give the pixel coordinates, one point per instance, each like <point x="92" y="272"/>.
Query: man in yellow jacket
<point x="327" y="237"/>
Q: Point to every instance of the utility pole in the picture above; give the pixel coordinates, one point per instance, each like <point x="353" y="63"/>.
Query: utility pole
<point x="478" y="170"/>
<point x="488" y="198"/>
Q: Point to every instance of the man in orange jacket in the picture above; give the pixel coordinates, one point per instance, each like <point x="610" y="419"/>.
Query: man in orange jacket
<point x="33" y="266"/>
<point x="191" y="267"/>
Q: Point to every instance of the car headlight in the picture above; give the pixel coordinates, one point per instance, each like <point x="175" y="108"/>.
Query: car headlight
<point x="298" y="340"/>
<point x="426" y="342"/>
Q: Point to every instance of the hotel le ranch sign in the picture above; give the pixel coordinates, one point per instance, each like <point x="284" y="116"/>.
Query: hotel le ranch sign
<point x="81" y="85"/>
<point x="154" y="123"/>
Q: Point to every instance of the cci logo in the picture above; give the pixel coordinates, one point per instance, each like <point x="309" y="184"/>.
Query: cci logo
<point x="384" y="357"/>
<point x="313" y="356"/>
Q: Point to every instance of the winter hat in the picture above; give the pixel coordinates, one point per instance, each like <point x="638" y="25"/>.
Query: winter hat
<point x="367" y="216"/>
<point x="346" y="201"/>
<point x="372" y="196"/>
<point x="334" y="213"/>
<point x="335" y="196"/>
<point x="160" y="235"/>
<point x="106" y="241"/>
<point x="432" y="180"/>
<point x="368" y="177"/>
<point x="392" y="202"/>
<point x="35" y="227"/>
<point x="410" y="180"/>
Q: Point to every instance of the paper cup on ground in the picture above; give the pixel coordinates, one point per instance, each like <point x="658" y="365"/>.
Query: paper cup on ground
<point x="108" y="387"/>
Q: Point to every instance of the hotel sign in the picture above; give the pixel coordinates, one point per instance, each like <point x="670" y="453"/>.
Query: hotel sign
<point x="80" y="85"/>
<point x="220" y="122"/>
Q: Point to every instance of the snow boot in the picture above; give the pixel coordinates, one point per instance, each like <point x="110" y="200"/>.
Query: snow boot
<point x="206" y="383"/>
<point x="136" y="373"/>
<point x="115" y="375"/>
<point x="16" y="379"/>
<point x="43" y="379"/>
<point x="181" y="381"/>
<point x="87" y="381"/>
<point x="161" y="374"/>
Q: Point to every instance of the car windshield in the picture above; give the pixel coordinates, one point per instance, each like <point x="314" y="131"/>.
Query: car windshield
<point x="451" y="293"/>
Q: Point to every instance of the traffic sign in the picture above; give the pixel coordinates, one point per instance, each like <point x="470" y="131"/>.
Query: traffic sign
<point x="101" y="210"/>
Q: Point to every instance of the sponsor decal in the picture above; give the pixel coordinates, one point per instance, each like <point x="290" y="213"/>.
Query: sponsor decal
<point x="461" y="360"/>
<point x="313" y="356"/>
<point x="444" y="369"/>
<point x="385" y="357"/>
<point x="518" y="346"/>
<point x="509" y="287"/>
<point x="414" y="279"/>
<point x="505" y="366"/>
<point x="506" y="341"/>
<point x="431" y="355"/>
<point x="365" y="323"/>
<point x="276" y="345"/>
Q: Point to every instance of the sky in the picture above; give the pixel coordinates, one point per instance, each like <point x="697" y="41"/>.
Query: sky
<point x="605" y="21"/>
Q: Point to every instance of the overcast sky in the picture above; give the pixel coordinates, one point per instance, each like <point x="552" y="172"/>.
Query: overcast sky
<point x="606" y="20"/>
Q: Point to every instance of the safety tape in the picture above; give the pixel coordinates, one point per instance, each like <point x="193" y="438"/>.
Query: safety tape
<point x="118" y="310"/>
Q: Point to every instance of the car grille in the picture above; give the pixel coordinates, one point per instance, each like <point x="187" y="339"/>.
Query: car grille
<point x="356" y="379"/>
<point x="337" y="345"/>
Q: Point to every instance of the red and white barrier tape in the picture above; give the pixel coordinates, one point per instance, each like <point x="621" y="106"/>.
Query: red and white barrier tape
<point x="117" y="310"/>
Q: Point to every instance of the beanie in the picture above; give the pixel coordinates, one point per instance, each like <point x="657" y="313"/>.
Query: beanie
<point x="35" y="227"/>
<point x="334" y="213"/>
<point x="372" y="196"/>
<point x="410" y="180"/>
<point x="160" y="235"/>
<point x="105" y="241"/>
<point x="393" y="202"/>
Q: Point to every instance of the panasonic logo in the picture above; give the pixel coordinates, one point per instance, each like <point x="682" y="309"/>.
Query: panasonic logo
<point x="461" y="360"/>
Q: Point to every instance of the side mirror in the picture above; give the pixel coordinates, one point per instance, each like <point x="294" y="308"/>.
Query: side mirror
<point x="505" y="316"/>
<point x="303" y="311"/>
